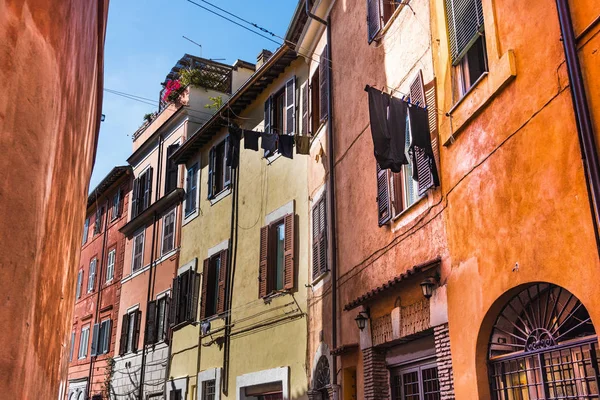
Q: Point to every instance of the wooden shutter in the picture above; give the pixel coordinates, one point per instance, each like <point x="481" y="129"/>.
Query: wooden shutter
<point x="226" y="169"/>
<point x="431" y="101"/>
<point x="323" y="84"/>
<point x="373" y="18"/>
<point x="204" y="299"/>
<point x="136" y="329"/>
<point x="150" y="336"/>
<point x="194" y="295"/>
<point x="319" y="238"/>
<point x="212" y="158"/>
<point x="124" y="334"/>
<point x="173" y="311"/>
<point x="166" y="325"/>
<point x="222" y="287"/>
<point x="120" y="203"/>
<point x="417" y="92"/>
<point x="290" y="106"/>
<point x="465" y="23"/>
<point x="263" y="269"/>
<point x="95" y="338"/>
<point x="172" y="169"/>
<point x="148" y="188"/>
<point x="134" y="197"/>
<point x="288" y="252"/>
<point x="383" y="196"/>
<point x="268" y="113"/>
<point x="304" y="122"/>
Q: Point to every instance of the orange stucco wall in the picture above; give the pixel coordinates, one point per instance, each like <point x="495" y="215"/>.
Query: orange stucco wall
<point x="49" y="117"/>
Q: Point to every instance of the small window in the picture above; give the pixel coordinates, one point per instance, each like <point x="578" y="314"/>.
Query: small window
<point x="219" y="174"/>
<point x="168" y="239"/>
<point x="185" y="297"/>
<point x="131" y="328"/>
<point x="405" y="188"/>
<point x="83" y="342"/>
<point x="175" y="394"/>
<point x="110" y="265"/>
<point x="92" y="275"/>
<point x="418" y="382"/>
<point x="172" y="170"/>
<point x="116" y="205"/>
<point x="280" y="113"/>
<point x="79" y="284"/>
<point x="156" y="323"/>
<point x="379" y="13"/>
<point x="142" y="193"/>
<point x="276" y="269"/>
<point x="130" y="332"/>
<point x="191" y="193"/>
<point x="101" y="338"/>
<point x="211" y="293"/>
<point x="208" y="390"/>
<point x="86" y="228"/>
<point x="138" y="251"/>
<point x="279" y="244"/>
<point x="98" y="222"/>
<point x="72" y="347"/>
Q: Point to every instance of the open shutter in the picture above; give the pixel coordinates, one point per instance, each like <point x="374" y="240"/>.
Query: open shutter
<point x="226" y="169"/>
<point x="150" y="337"/>
<point x="263" y="269"/>
<point x="134" y="197"/>
<point x="120" y="203"/>
<point x="288" y="253"/>
<point x="383" y="196"/>
<point x="166" y="326"/>
<point x="268" y="115"/>
<point x="204" y="288"/>
<point x="290" y="106"/>
<point x="173" y="317"/>
<point x="172" y="169"/>
<point x="323" y="84"/>
<point x="106" y="336"/>
<point x="373" y="18"/>
<point x="194" y="294"/>
<point x="124" y="334"/>
<point x="148" y="189"/>
<point x="304" y="94"/>
<point x="223" y="282"/>
<point x="465" y="23"/>
<point x="136" y="329"/>
<point x="95" y="337"/>
<point x="211" y="172"/>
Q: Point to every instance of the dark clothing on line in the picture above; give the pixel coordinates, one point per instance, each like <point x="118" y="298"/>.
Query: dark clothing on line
<point x="419" y="129"/>
<point x="286" y="146"/>
<point x="269" y="143"/>
<point x="251" y="140"/>
<point x="388" y="126"/>
<point x="233" y="148"/>
<point x="302" y="144"/>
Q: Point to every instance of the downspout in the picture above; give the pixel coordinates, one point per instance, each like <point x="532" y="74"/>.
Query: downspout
<point x="149" y="293"/>
<point x="585" y="131"/>
<point x="331" y="197"/>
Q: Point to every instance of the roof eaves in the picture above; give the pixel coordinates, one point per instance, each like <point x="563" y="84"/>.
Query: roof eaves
<point x="114" y="175"/>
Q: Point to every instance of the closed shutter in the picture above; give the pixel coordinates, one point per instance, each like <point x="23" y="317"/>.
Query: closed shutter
<point x="263" y="269"/>
<point x="173" y="311"/>
<point x="223" y="282"/>
<point x="226" y="169"/>
<point x="150" y="337"/>
<point x="465" y="23"/>
<point x="194" y="295"/>
<point x="288" y="254"/>
<point x="95" y="338"/>
<point x="383" y="196"/>
<point x="134" y="197"/>
<point x="290" y="106"/>
<point x="323" y="84"/>
<point x="268" y="115"/>
<point x="136" y="329"/>
<point x="431" y="101"/>
<point x="119" y="203"/>
<point x="417" y="92"/>
<point x="204" y="299"/>
<point x="373" y="18"/>
<point x="304" y="94"/>
<point x="124" y="334"/>
<point x="319" y="238"/>
<point x="212" y="158"/>
<point x="148" y="189"/>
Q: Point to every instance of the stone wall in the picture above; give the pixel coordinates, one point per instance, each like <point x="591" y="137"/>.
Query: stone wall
<point x="126" y="378"/>
<point x="376" y="374"/>
<point x="444" y="362"/>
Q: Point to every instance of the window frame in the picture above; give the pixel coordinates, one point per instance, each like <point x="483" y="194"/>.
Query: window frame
<point x="461" y="72"/>
<point x="400" y="370"/>
<point x="205" y="389"/>
<point x="319" y="238"/>
<point x="83" y="350"/>
<point x="224" y="174"/>
<point x="141" y="233"/>
<point x="98" y="220"/>
<point x="110" y="267"/>
<point x="171" y="167"/>
<point x="79" y="286"/>
<point x="172" y="214"/>
<point x="86" y="231"/>
<point x="272" y="263"/>
<point x="132" y="321"/>
<point x="190" y="209"/>
<point x="104" y="334"/>
<point x="116" y="205"/>
<point x="161" y="334"/>
<point x="212" y="287"/>
<point x="92" y="276"/>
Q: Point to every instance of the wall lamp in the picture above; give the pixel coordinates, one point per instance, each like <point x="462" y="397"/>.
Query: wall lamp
<point x="361" y="319"/>
<point x="428" y="285"/>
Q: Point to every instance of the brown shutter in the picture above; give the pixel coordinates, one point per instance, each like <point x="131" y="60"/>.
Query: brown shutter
<point x="136" y="329"/>
<point x="323" y="235"/>
<point x="123" y="340"/>
<point x="148" y="189"/>
<point x="205" y="270"/>
<point x="431" y="101"/>
<point x="316" y="267"/>
<point x="222" y="282"/>
<point x="397" y="190"/>
<point x="134" y="197"/>
<point x="151" y="333"/>
<point x="304" y="92"/>
<point x="373" y="18"/>
<point x="383" y="196"/>
<point x="195" y="294"/>
<point x="263" y="270"/>
<point x="288" y="254"/>
<point x="324" y="84"/>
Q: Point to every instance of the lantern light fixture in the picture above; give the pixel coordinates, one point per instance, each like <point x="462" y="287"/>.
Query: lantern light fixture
<point x="361" y="320"/>
<point x="428" y="285"/>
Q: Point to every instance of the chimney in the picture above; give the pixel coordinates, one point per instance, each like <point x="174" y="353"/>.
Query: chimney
<point x="262" y="58"/>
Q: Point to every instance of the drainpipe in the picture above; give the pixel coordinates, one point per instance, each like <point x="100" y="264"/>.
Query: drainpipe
<point x="331" y="197"/>
<point x="585" y="131"/>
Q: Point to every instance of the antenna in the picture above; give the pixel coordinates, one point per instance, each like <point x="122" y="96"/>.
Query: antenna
<point x="197" y="44"/>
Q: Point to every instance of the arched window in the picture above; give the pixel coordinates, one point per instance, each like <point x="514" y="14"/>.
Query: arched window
<point x="543" y="346"/>
<point x="322" y="378"/>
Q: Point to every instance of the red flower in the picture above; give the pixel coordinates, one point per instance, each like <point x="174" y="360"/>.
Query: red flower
<point x="172" y="87"/>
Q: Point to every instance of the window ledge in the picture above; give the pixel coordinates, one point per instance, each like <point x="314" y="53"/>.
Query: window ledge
<point x="320" y="280"/>
<point x="408" y="209"/>
<point x="136" y="273"/>
<point x="190" y="217"/>
<point x="480" y="94"/>
<point x="390" y="21"/>
<point x="220" y="196"/>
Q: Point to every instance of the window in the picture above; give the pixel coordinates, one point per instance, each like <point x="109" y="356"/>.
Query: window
<point x="276" y="268"/>
<point x="314" y="115"/>
<point x="319" y="236"/>
<point x="191" y="189"/>
<point x="379" y="12"/>
<point x="142" y="193"/>
<point x="219" y="174"/>
<point x="86" y="228"/>
<point x="98" y="222"/>
<point x="213" y="285"/>
<point x="184" y="302"/>
<point x="416" y="383"/>
<point x="156" y="323"/>
<point x="280" y="112"/>
<point x="130" y="332"/>
<point x="138" y="251"/>
<point x="467" y="43"/>
<point x="116" y="205"/>
<point x="324" y="74"/>
<point x="92" y="275"/>
<point x="110" y="265"/>
<point x="168" y="239"/>
<point x="405" y="188"/>
<point x="79" y="284"/>
<point x="101" y="338"/>
<point x="83" y="342"/>
<point x="175" y="394"/>
<point x="208" y="390"/>
<point x="171" y="174"/>
<point x="72" y="347"/>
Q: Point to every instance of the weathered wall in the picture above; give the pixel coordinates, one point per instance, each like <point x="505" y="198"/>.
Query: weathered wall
<point x="50" y="110"/>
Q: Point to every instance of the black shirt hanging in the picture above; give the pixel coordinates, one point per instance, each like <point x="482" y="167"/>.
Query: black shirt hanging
<point x="251" y="140"/>
<point x="286" y="146"/>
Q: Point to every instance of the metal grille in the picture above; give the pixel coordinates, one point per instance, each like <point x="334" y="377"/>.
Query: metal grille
<point x="208" y="390"/>
<point x="431" y="384"/>
<point x="411" y="385"/>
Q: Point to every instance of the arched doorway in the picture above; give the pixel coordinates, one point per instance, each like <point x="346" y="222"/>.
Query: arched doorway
<point x="322" y="378"/>
<point x="543" y="346"/>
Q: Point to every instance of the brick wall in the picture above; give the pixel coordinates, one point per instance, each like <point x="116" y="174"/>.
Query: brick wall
<point x="444" y="361"/>
<point x="376" y="375"/>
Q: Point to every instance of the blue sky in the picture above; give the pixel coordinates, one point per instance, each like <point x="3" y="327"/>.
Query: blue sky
<point x="144" y="41"/>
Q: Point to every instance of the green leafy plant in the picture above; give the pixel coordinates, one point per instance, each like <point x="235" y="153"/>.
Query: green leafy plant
<point x="149" y="117"/>
<point x="198" y="78"/>
<point x="217" y="102"/>
<point x="110" y="371"/>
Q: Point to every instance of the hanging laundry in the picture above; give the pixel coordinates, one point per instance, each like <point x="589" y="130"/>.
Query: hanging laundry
<point x="421" y="151"/>
<point x="233" y="148"/>
<point x="302" y="144"/>
<point x="251" y="139"/>
<point x="268" y="143"/>
<point x="285" y="145"/>
<point x="388" y="123"/>
<point x="419" y="129"/>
